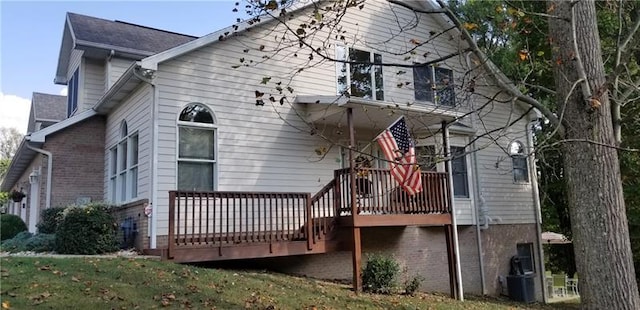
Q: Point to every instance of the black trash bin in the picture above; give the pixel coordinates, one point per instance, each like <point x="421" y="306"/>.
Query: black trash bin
<point x="520" y="285"/>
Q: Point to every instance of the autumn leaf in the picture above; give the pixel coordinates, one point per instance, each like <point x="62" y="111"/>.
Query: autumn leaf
<point x="470" y="26"/>
<point x="6" y="305"/>
<point x="523" y="54"/>
<point x="272" y="5"/>
<point x="414" y="41"/>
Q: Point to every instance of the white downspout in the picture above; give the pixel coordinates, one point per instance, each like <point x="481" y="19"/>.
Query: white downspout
<point x="480" y="204"/>
<point x="454" y="221"/>
<point x="537" y="212"/>
<point x="153" y="223"/>
<point x="49" y="171"/>
<point x="154" y="171"/>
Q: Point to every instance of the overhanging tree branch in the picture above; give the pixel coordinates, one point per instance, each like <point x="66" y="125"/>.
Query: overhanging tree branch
<point x="495" y="73"/>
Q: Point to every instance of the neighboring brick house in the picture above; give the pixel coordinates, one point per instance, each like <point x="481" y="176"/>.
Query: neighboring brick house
<point x="71" y="150"/>
<point x="172" y="121"/>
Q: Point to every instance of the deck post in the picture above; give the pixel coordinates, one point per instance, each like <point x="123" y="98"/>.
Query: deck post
<point x="311" y="238"/>
<point x="172" y="223"/>
<point x="451" y="262"/>
<point x="357" y="260"/>
<point x="357" y="247"/>
<point x="458" y="292"/>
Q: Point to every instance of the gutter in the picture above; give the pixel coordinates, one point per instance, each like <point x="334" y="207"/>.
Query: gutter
<point x="537" y="212"/>
<point x="479" y="204"/>
<point x="147" y="77"/>
<point x="454" y="221"/>
<point x="49" y="171"/>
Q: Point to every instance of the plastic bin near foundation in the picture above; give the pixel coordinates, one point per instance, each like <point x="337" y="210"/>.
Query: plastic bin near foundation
<point x="521" y="288"/>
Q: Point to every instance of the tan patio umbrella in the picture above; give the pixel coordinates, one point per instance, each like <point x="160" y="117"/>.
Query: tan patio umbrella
<point x="549" y="237"/>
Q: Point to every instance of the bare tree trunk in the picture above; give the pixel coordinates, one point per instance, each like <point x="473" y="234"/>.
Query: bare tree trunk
<point x="596" y="204"/>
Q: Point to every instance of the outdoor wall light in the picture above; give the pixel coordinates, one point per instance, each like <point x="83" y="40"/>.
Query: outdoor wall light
<point x="33" y="177"/>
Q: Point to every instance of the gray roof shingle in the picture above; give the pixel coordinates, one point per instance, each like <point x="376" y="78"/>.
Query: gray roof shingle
<point x="124" y="35"/>
<point x="49" y="107"/>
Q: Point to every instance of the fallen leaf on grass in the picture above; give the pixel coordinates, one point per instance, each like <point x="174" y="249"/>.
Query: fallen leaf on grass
<point x="38" y="299"/>
<point x="6" y="305"/>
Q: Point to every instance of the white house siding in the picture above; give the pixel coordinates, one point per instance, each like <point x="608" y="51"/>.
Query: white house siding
<point x="259" y="151"/>
<point x="93" y="89"/>
<point x="505" y="201"/>
<point x="136" y="111"/>
<point x="74" y="62"/>
<point x="115" y="68"/>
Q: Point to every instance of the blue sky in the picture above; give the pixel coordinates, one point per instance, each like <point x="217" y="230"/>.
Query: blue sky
<point x="31" y="33"/>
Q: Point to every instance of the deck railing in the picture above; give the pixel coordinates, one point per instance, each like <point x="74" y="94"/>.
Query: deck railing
<point x="221" y="219"/>
<point x="218" y="219"/>
<point x="378" y="193"/>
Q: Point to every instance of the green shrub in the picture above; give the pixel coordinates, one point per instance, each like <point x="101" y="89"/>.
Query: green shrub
<point x="50" y="219"/>
<point x="10" y="226"/>
<point x="379" y="274"/>
<point x="90" y="229"/>
<point x="412" y="286"/>
<point x="26" y="241"/>
<point x="41" y="243"/>
<point x="17" y="243"/>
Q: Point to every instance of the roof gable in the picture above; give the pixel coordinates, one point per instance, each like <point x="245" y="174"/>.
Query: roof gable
<point x="99" y="37"/>
<point x="124" y="35"/>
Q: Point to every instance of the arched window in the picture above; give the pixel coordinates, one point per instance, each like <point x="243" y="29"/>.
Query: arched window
<point x="196" y="148"/>
<point x="123" y="170"/>
<point x="519" y="160"/>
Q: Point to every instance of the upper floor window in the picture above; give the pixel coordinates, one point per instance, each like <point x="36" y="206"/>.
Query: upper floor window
<point x="519" y="160"/>
<point x="123" y="170"/>
<point x="196" y="148"/>
<point x="361" y="77"/>
<point x="434" y="84"/>
<point x="459" y="172"/>
<point x="72" y="93"/>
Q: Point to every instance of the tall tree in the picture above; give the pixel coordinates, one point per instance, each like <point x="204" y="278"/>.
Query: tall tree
<point x="591" y="165"/>
<point x="10" y="139"/>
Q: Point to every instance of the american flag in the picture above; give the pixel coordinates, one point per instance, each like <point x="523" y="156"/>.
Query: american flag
<point x="399" y="149"/>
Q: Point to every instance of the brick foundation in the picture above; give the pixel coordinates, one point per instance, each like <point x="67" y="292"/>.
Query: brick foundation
<point x="131" y="217"/>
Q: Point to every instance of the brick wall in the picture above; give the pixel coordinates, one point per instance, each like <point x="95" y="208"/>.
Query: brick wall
<point x="422" y="250"/>
<point x="78" y="162"/>
<point x="132" y="214"/>
<point x="499" y="245"/>
<point x="419" y="250"/>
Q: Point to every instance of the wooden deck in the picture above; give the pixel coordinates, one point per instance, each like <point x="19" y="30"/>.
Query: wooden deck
<point x="211" y="226"/>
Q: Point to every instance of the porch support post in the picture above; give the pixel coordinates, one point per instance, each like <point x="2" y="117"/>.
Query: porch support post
<point x="458" y="292"/>
<point x="357" y="248"/>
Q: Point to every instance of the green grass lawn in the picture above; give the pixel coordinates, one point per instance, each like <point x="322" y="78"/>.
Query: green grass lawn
<point x="126" y="283"/>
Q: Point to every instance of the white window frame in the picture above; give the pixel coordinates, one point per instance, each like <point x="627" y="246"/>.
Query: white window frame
<point x="344" y="69"/>
<point x="123" y="172"/>
<point x="202" y="126"/>
<point x="435" y="98"/>
<point x="519" y="155"/>
<point x="467" y="171"/>
<point x="73" y="92"/>
<point x="530" y="257"/>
